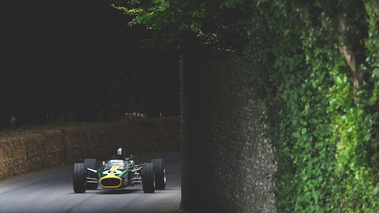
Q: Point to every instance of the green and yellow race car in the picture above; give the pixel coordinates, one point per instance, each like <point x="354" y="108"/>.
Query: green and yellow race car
<point x="119" y="172"/>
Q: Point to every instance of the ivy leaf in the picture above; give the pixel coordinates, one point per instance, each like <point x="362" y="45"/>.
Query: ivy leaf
<point x="296" y="134"/>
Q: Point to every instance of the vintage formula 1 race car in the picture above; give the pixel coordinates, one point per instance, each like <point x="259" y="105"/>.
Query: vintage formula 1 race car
<point x="119" y="172"/>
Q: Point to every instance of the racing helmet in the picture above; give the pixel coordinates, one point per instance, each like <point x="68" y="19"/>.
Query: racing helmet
<point x="120" y="154"/>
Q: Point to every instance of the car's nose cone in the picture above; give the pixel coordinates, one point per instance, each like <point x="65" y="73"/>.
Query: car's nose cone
<point x="110" y="182"/>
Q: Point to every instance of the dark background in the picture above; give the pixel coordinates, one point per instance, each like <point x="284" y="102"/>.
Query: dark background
<point x="80" y="61"/>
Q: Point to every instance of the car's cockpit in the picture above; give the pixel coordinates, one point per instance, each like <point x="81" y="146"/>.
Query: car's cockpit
<point x="116" y="163"/>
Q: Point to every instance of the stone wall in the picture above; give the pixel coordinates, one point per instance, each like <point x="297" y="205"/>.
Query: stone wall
<point x="32" y="148"/>
<point x="227" y="166"/>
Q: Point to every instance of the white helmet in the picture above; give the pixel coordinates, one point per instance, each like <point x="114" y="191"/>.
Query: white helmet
<point x="120" y="154"/>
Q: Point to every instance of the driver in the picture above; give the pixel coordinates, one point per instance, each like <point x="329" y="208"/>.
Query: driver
<point x="120" y="154"/>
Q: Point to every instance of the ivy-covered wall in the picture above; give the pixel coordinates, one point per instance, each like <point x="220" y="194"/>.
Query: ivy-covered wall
<point x="227" y="163"/>
<point x="316" y="69"/>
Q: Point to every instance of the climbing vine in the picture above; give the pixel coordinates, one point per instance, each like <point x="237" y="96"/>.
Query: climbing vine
<point x="316" y="68"/>
<point x="315" y="64"/>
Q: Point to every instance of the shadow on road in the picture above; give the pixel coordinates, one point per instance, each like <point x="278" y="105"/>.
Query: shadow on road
<point x="118" y="191"/>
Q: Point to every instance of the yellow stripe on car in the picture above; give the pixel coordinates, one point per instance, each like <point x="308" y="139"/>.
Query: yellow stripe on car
<point x="111" y="175"/>
<point x="114" y="168"/>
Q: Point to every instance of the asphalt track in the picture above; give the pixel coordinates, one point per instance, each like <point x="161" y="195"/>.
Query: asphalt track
<point x="51" y="191"/>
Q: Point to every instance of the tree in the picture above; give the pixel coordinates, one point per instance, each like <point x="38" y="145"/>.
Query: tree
<point x="315" y="66"/>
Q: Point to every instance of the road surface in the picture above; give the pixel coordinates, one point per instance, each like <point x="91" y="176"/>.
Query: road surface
<point x="51" y="191"/>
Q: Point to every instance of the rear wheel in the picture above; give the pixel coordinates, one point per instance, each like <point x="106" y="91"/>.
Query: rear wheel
<point x="92" y="164"/>
<point x="148" y="178"/>
<point x="79" y="178"/>
<point x="160" y="173"/>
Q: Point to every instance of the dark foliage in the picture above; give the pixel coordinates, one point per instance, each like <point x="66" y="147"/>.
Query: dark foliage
<point x="79" y="60"/>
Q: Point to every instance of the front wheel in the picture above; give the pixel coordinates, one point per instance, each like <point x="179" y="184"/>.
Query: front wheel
<point x="79" y="178"/>
<point x="148" y="178"/>
<point x="160" y="173"/>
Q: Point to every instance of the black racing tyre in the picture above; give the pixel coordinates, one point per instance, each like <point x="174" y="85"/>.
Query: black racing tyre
<point x="148" y="178"/>
<point x="79" y="178"/>
<point x="92" y="164"/>
<point x="160" y="173"/>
